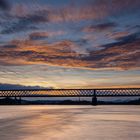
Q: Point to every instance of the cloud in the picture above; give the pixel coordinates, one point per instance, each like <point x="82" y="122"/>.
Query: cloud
<point x="38" y="35"/>
<point x="9" y="46"/>
<point x="44" y="35"/>
<point x="123" y="54"/>
<point x="22" y="24"/>
<point x="129" y="38"/>
<point x="24" y="17"/>
<point x="30" y="19"/>
<point x="100" y="27"/>
<point x="72" y="11"/>
<point x="118" y="35"/>
<point x="29" y="52"/>
<point x="4" y="4"/>
<point x="19" y="87"/>
<point x="117" y="7"/>
<point x="97" y="9"/>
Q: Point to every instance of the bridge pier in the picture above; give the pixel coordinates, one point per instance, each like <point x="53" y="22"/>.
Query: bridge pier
<point x="15" y="98"/>
<point x="19" y="100"/>
<point x="94" y="99"/>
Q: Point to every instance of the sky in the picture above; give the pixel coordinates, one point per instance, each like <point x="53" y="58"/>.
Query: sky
<point x="69" y="44"/>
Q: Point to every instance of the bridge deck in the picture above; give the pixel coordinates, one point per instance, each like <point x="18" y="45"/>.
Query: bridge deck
<point x="71" y="92"/>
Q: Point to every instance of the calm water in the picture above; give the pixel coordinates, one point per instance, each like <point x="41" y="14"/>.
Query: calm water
<point x="69" y="122"/>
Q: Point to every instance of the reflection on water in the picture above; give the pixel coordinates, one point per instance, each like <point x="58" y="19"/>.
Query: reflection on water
<point x="69" y="122"/>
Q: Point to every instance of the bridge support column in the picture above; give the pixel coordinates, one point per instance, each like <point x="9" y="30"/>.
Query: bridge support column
<point x="94" y="99"/>
<point x="19" y="101"/>
<point x="15" y="98"/>
<point x="16" y="101"/>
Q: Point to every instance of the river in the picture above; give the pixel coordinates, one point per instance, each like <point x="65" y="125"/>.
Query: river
<point x="69" y="122"/>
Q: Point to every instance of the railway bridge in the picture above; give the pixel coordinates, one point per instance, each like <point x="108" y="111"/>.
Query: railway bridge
<point x="93" y="93"/>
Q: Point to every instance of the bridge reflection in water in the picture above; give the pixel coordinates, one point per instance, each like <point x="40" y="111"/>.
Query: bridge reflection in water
<point x="94" y="93"/>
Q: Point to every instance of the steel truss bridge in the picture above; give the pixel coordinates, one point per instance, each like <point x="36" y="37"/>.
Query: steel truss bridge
<point x="94" y="93"/>
<point x="71" y="92"/>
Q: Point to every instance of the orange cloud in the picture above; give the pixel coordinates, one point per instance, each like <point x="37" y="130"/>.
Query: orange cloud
<point x="41" y="35"/>
<point x="121" y="55"/>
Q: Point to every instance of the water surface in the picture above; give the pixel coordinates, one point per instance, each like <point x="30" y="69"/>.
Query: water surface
<point x="69" y="122"/>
